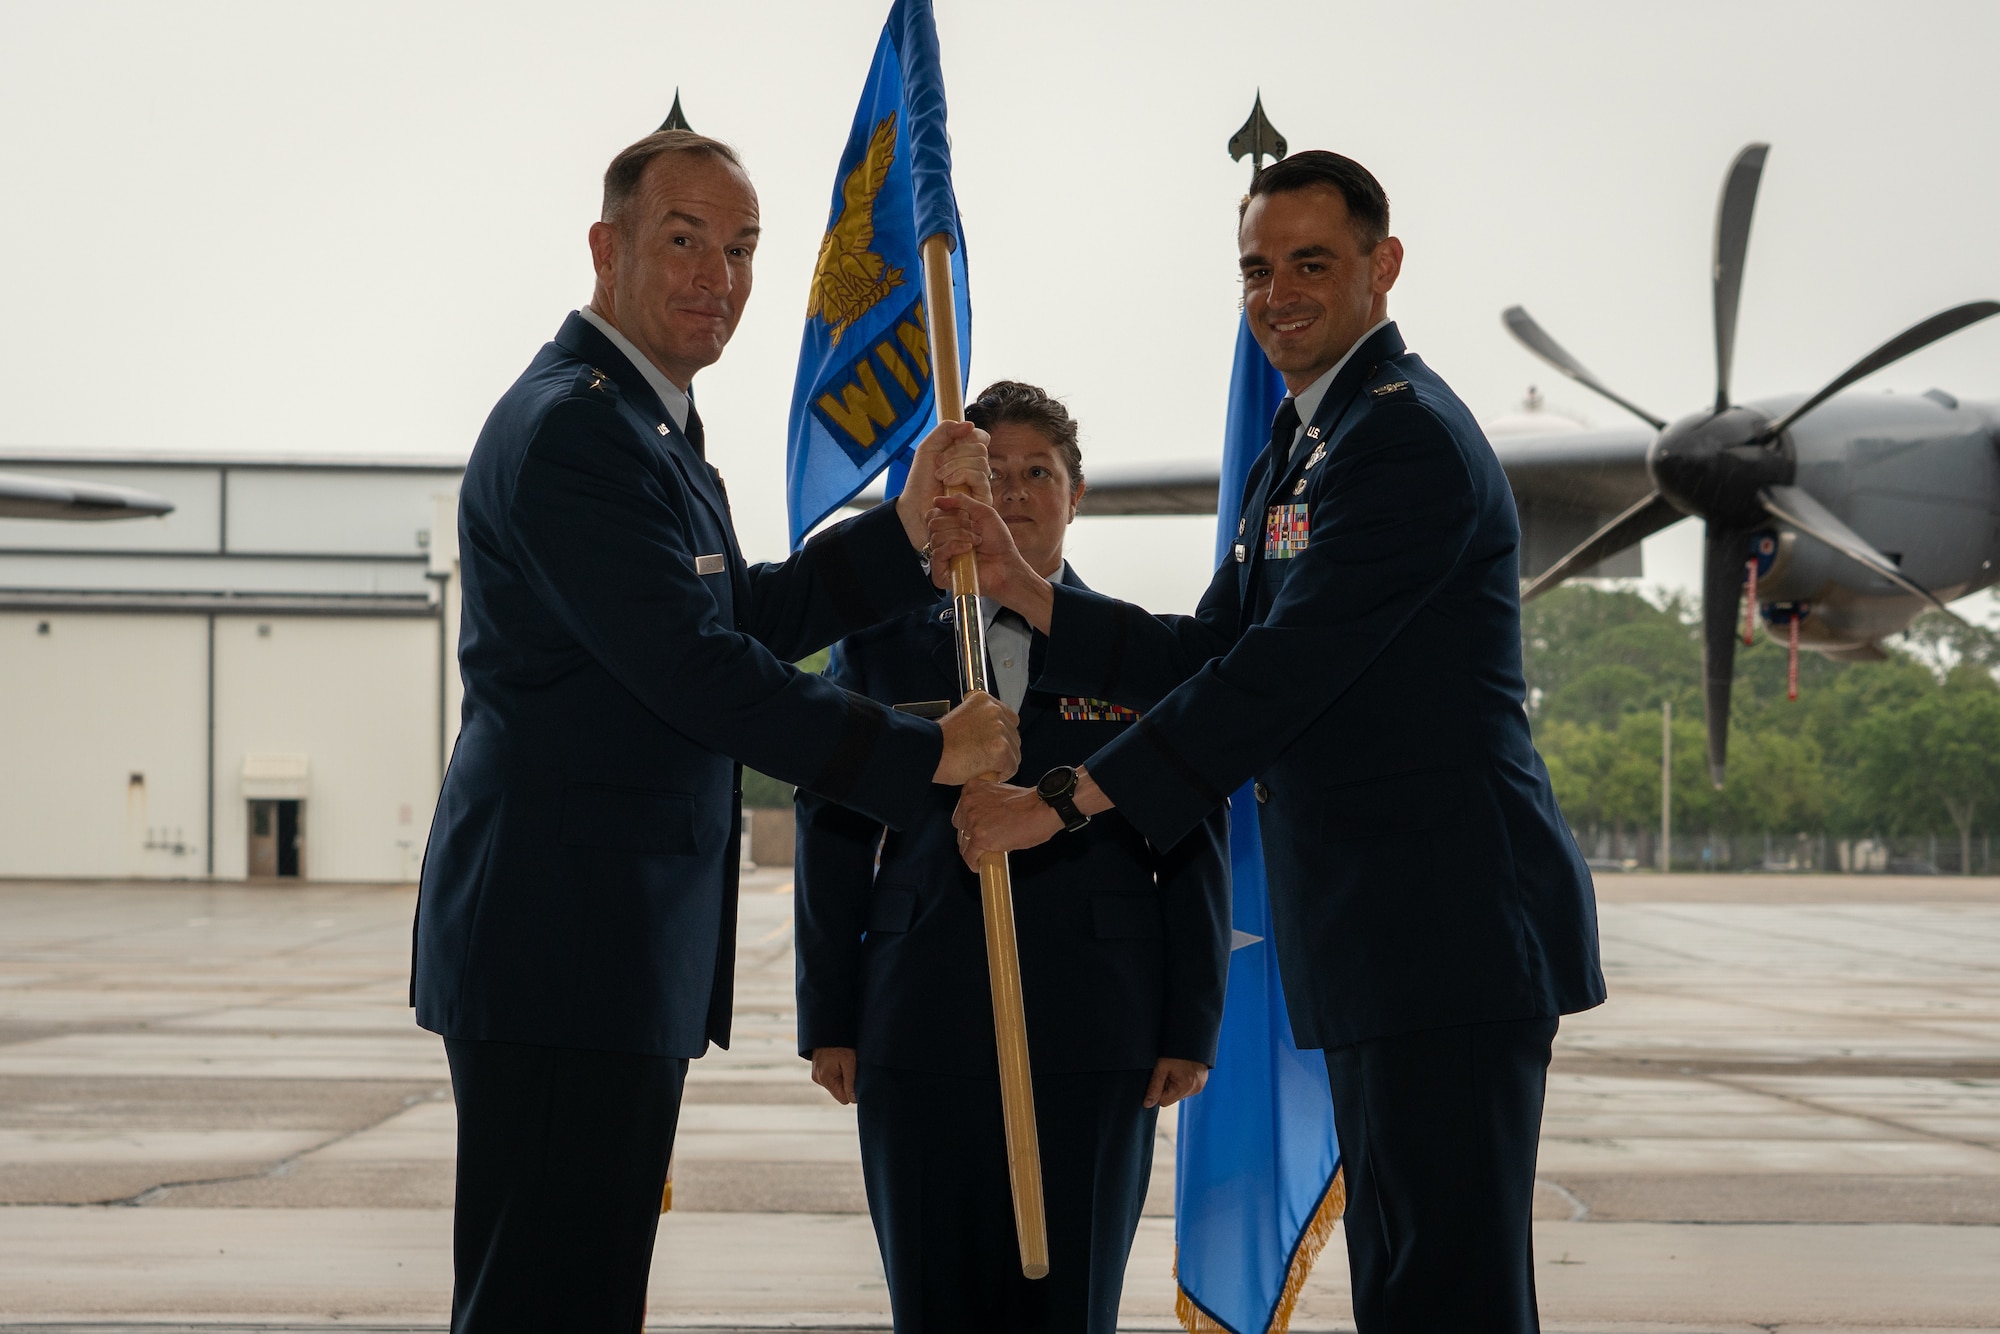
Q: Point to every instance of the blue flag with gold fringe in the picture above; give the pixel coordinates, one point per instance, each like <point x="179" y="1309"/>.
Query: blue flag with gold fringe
<point x="863" y="396"/>
<point x="1256" y="1194"/>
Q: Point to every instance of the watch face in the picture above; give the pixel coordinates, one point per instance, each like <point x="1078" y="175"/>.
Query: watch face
<point x="1055" y="781"/>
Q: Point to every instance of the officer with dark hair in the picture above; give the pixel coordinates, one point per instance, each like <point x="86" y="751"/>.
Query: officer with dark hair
<point x="1359" y="656"/>
<point x="1123" y="954"/>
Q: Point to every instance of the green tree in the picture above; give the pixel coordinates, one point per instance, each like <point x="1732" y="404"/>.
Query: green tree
<point x="1600" y="662"/>
<point x="1941" y="751"/>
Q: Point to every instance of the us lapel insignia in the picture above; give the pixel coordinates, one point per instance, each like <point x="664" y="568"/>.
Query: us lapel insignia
<point x="1078" y="709"/>
<point x="1242" y="553"/>
<point x="1312" y="432"/>
<point x="1286" y="530"/>
<point x="1394" y="387"/>
<point x="662" y="428"/>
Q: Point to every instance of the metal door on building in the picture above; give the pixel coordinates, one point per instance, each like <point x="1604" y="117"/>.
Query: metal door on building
<point x="277" y="840"/>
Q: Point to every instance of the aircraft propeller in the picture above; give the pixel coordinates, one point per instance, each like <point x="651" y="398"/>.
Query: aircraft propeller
<point x="1730" y="465"/>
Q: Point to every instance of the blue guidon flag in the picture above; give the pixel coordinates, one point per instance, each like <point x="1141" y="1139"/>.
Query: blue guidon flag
<point x="1256" y="1184"/>
<point x="863" y="396"/>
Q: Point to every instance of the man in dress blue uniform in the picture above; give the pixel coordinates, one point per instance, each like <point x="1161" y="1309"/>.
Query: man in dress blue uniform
<point x="1123" y="948"/>
<point x="575" y="932"/>
<point x="1359" y="656"/>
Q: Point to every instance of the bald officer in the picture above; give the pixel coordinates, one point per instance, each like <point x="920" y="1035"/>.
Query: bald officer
<point x="576" y="929"/>
<point x="1359" y="656"/>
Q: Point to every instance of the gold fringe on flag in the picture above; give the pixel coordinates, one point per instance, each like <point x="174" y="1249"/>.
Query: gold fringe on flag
<point x="1318" y="1232"/>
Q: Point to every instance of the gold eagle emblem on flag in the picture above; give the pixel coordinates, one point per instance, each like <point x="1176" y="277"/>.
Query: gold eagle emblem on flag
<point x="849" y="279"/>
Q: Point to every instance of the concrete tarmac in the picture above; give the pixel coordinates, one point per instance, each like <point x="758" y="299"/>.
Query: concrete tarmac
<point x="216" y="1113"/>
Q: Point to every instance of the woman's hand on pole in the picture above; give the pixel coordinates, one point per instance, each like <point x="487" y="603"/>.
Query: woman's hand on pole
<point x="961" y="523"/>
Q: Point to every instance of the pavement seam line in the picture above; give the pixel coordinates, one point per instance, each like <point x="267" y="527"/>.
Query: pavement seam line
<point x="1800" y="1100"/>
<point x="1878" y="952"/>
<point x="155" y="1193"/>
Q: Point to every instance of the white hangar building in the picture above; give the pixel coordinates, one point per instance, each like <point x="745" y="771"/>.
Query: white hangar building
<point x="261" y="684"/>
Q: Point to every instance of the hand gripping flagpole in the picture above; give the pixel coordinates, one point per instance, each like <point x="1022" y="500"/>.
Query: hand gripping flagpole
<point x="996" y="889"/>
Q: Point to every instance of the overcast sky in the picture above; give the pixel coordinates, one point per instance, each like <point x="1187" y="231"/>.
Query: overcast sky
<point x="344" y="228"/>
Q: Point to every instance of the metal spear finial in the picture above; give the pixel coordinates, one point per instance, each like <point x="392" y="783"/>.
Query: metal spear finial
<point x="675" y="120"/>
<point x="1258" y="138"/>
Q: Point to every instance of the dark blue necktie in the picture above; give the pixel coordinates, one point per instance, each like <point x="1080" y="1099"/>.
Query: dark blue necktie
<point x="693" y="429"/>
<point x="1283" y="427"/>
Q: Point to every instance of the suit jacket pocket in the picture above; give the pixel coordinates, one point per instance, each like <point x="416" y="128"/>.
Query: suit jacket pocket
<point x="890" y="910"/>
<point x="1404" y="803"/>
<point x="627" y="819"/>
<point x="1127" y="916"/>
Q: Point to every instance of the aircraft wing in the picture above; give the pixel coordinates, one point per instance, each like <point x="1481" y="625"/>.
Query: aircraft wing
<point x="1594" y="470"/>
<point x="1567" y="485"/>
<point x="1167" y="486"/>
<point x="23" y="497"/>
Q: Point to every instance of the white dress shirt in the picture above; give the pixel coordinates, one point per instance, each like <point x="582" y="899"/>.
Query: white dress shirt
<point x="672" y="397"/>
<point x="1007" y="651"/>
<point x="1309" y="398"/>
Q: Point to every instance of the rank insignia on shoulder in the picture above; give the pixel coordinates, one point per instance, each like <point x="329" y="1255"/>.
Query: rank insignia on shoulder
<point x="598" y="378"/>
<point x="1286" y="530"/>
<point x="1393" y="387"/>
<point x="1077" y="709"/>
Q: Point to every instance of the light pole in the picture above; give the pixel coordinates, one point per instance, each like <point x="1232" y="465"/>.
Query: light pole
<point x="1666" y="785"/>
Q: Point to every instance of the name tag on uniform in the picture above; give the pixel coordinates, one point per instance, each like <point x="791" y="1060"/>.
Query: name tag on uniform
<point x="1078" y="709"/>
<point x="1286" y="528"/>
<point x="926" y="708"/>
<point x="709" y="564"/>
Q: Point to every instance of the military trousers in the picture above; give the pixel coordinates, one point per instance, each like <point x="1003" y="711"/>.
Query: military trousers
<point x="562" y="1158"/>
<point x="1438" y="1132"/>
<point x="934" y="1158"/>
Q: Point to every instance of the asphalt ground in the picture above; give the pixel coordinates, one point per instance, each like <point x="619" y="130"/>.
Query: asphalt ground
<point x="216" y="1113"/>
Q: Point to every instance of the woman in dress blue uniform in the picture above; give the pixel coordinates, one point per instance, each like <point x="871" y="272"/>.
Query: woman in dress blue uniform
<point x="1123" y="958"/>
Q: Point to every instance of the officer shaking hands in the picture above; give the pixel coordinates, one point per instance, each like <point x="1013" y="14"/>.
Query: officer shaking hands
<point x="575" y="932"/>
<point x="1359" y="656"/>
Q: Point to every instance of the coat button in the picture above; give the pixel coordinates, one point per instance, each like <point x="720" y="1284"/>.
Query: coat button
<point x="1263" y="794"/>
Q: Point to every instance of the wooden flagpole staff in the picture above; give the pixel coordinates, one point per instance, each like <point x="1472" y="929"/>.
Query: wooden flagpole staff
<point x="996" y="889"/>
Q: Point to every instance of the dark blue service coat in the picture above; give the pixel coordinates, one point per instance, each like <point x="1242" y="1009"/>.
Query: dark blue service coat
<point x="1361" y="658"/>
<point x="621" y="662"/>
<point x="1124" y="949"/>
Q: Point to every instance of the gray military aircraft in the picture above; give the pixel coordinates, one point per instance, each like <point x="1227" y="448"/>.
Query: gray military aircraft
<point x="1843" y="516"/>
<point x="23" y="497"/>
